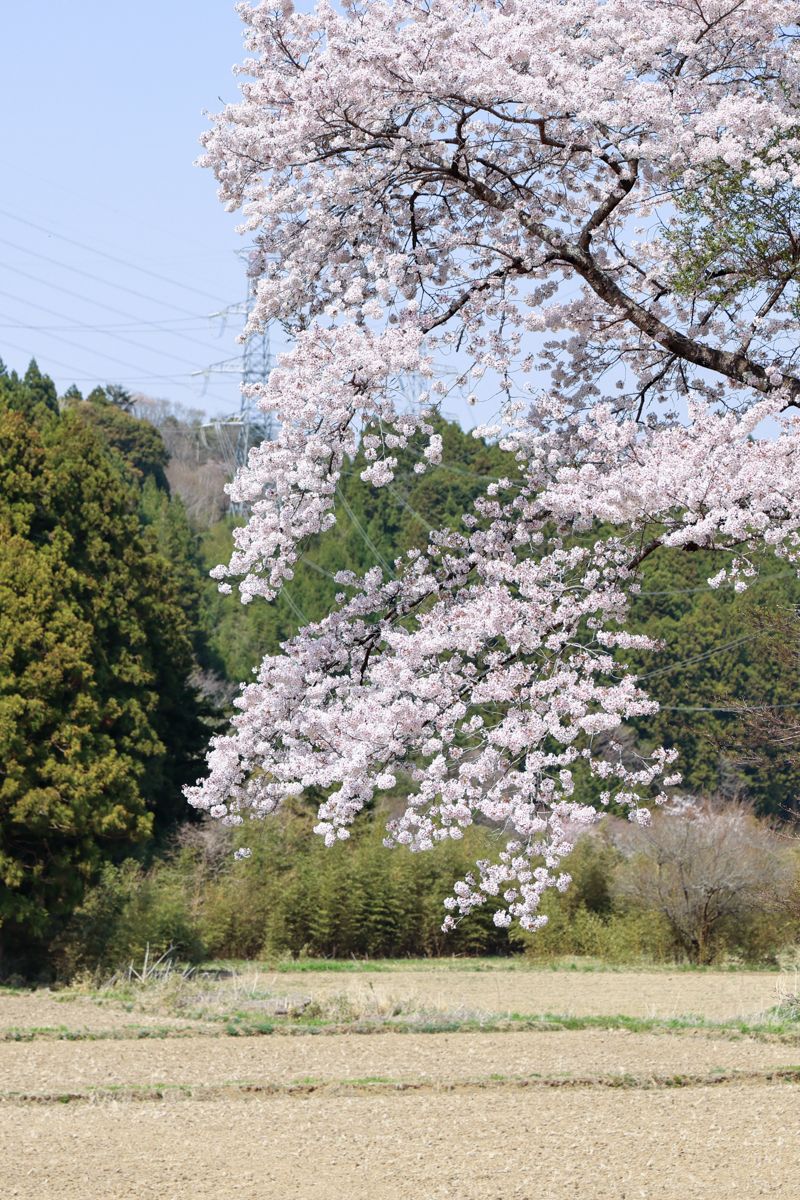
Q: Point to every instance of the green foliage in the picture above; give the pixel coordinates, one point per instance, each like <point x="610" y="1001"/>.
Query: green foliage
<point x="733" y="235"/>
<point x="67" y="780"/>
<point x="586" y="921"/>
<point x="106" y="610"/>
<point x="34" y="396"/>
<point x="138" y="443"/>
<point x="632" y="937"/>
<point x="718" y="653"/>
<point x="373" y="528"/>
<point x="168" y="532"/>
<point x="299" y="897"/>
<point x="717" y="650"/>
<point x="95" y="658"/>
<point x="128" y="914"/>
<point x="296" y="898"/>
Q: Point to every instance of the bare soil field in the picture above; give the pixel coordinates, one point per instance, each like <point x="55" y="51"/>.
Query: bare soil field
<point x="141" y="1092"/>
<point x="716" y="995"/>
<point x="721" y="995"/>
<point x="693" y="1144"/>
<point x="442" y="1060"/>
<point x="55" y="1011"/>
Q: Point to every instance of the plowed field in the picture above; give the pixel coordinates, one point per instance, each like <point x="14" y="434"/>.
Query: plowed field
<point x="717" y="995"/>
<point x="149" y="1096"/>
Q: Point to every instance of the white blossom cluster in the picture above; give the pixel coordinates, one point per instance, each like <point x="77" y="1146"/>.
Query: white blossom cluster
<point x="494" y="185"/>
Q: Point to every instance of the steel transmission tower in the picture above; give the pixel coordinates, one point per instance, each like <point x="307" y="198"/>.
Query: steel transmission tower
<point x="237" y="433"/>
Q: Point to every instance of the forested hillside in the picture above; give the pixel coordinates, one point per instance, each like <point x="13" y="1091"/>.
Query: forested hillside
<point x="100" y="725"/>
<point x="118" y="656"/>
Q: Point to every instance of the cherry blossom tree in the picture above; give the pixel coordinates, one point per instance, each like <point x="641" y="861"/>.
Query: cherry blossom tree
<point x="538" y="203"/>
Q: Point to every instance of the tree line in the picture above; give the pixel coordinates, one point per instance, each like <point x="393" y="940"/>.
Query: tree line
<point x="118" y="657"/>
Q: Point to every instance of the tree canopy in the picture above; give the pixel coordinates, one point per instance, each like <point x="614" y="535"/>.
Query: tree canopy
<point x="497" y="197"/>
<point x="109" y="619"/>
<point x="99" y="724"/>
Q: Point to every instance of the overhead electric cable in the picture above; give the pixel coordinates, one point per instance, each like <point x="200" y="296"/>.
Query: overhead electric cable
<point x="706" y="587"/>
<point x="124" y="262"/>
<point x="77" y="328"/>
<point x="111" y="357"/>
<point x="76" y="376"/>
<point x="120" y="312"/>
<point x="128" y="326"/>
<point x="745" y="704"/>
<point x="367" y="540"/>
<point x="119" y="287"/>
<point x="686" y="662"/>
<point x="296" y="609"/>
<point x="309" y="562"/>
<point x="95" y="201"/>
<point x="58" y="362"/>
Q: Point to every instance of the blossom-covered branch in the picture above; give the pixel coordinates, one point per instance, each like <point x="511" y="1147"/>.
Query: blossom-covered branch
<point x="493" y="196"/>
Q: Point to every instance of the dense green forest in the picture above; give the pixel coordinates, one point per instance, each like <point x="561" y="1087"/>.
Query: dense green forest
<point x="119" y="657"/>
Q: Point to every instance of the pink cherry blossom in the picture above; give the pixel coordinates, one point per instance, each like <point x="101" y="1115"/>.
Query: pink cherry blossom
<point x="487" y="190"/>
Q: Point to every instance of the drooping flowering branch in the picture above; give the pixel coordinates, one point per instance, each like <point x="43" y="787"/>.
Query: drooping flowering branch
<point x="499" y="187"/>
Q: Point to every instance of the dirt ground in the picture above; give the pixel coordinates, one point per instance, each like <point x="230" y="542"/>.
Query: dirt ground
<point x="595" y="1114"/>
<point x="722" y="995"/>
<point x="440" y="1059"/>
<point x="717" y="995"/>
<point x="54" y="1010"/>
<point x="692" y="1144"/>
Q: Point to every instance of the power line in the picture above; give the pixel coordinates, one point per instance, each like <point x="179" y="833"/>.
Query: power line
<point x="468" y="474"/>
<point x="124" y="262"/>
<point x="58" y="362"/>
<point x="409" y="507"/>
<point x="368" y="541"/>
<point x="77" y="377"/>
<point x="240" y="432"/>
<point x="745" y="704"/>
<point x="129" y="326"/>
<point x="296" y="609"/>
<point x="309" y="562"/>
<point x="111" y="357"/>
<point x="706" y="587"/>
<point x="77" y="328"/>
<point x="120" y="312"/>
<point x="119" y="287"/>
<point x="699" y="657"/>
<point x="94" y="200"/>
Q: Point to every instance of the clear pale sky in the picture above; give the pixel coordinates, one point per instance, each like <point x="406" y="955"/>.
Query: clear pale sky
<point x="114" y="249"/>
<point x="101" y="106"/>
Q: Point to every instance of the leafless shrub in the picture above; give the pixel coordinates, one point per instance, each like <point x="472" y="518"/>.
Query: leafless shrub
<point x="210" y="843"/>
<point x="215" y="689"/>
<point x="161" y="412"/>
<point x="198" y="468"/>
<point x="200" y="487"/>
<point x="708" y="867"/>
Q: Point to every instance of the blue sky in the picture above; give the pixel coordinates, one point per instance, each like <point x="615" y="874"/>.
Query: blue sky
<point x="114" y="250"/>
<point x="113" y="247"/>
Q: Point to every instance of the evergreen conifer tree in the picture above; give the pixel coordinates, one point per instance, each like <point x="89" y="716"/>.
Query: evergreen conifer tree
<point x="99" y="725"/>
